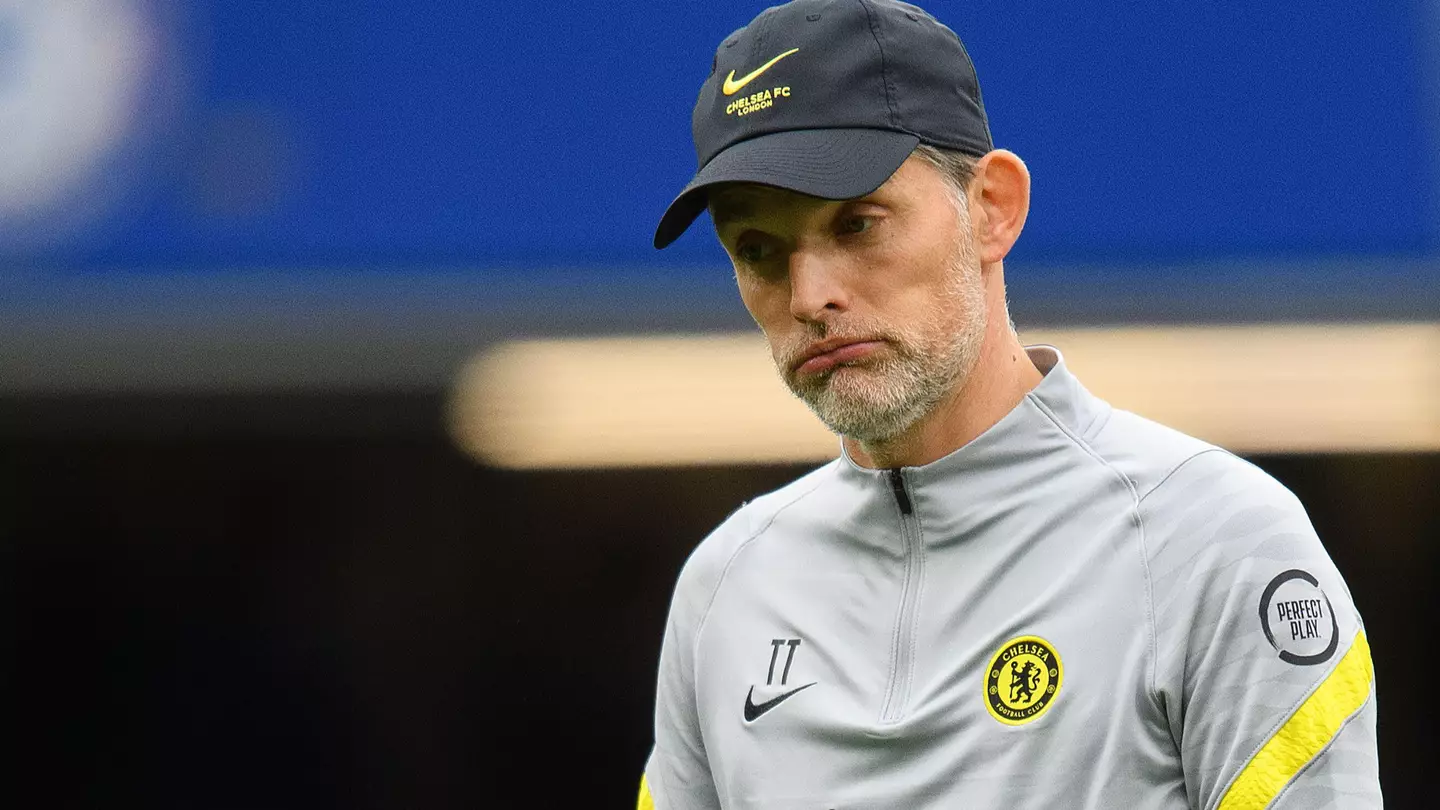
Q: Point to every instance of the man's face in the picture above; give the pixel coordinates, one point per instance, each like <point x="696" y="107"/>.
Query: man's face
<point x="874" y="308"/>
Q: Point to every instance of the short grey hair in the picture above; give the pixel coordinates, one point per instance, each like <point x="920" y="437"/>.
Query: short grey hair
<point x="957" y="167"/>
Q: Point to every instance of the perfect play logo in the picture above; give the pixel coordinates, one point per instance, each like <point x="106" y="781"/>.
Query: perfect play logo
<point x="1298" y="620"/>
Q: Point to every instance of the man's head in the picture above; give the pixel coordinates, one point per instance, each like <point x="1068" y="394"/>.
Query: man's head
<point x="847" y="163"/>
<point x="877" y="308"/>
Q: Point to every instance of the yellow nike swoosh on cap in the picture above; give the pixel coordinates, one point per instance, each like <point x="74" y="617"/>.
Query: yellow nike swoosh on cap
<point x="731" y="87"/>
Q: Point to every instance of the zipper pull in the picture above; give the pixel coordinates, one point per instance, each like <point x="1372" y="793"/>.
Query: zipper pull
<point x="897" y="485"/>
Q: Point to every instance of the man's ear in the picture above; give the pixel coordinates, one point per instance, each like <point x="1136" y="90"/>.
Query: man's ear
<point x="999" y="203"/>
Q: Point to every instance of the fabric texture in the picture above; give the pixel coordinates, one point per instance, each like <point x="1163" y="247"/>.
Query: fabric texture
<point x="1080" y="608"/>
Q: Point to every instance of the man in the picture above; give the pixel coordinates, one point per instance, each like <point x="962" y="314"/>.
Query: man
<point x="1005" y="593"/>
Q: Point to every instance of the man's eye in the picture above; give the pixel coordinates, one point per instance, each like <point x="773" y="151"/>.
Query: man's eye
<point x="856" y="224"/>
<point x="751" y="252"/>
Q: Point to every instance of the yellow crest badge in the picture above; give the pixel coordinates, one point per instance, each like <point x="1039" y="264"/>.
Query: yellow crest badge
<point x="1022" y="680"/>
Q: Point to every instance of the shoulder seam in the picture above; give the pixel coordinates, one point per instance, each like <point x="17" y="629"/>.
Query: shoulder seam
<point x="1100" y="423"/>
<point x="1139" y="522"/>
<point x="1177" y="467"/>
<point x="720" y="581"/>
<point x="1080" y="442"/>
<point x="1152" y="675"/>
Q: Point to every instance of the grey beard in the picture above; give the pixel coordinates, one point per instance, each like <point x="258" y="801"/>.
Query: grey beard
<point x="909" y="391"/>
<point x="897" y="391"/>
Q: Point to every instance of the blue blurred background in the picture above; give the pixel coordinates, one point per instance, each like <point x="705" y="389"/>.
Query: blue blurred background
<point x="515" y="138"/>
<point x="246" y="247"/>
<point x="425" y="177"/>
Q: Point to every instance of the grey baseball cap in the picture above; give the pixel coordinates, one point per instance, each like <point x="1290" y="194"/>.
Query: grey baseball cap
<point x="828" y="98"/>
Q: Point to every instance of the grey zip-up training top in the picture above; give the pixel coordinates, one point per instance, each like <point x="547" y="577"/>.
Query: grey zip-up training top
<point x="1078" y="609"/>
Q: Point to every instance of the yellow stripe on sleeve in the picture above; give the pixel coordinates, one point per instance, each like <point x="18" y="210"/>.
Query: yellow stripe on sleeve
<point x="644" y="802"/>
<point x="1306" y="733"/>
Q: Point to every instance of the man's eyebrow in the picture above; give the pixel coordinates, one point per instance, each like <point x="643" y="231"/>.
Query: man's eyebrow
<point x="726" y="210"/>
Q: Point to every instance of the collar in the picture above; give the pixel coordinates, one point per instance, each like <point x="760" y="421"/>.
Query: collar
<point x="1050" y="415"/>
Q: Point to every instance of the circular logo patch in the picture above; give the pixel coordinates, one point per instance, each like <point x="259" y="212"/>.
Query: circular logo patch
<point x="1022" y="680"/>
<point x="1298" y="620"/>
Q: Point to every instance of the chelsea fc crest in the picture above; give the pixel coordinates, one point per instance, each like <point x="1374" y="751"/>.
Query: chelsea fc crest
<point x="1022" y="680"/>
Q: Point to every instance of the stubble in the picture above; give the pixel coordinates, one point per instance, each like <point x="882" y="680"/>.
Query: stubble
<point x="879" y="398"/>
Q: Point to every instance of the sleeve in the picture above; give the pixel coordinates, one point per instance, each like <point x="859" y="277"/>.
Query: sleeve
<point x="677" y="775"/>
<point x="1261" y="663"/>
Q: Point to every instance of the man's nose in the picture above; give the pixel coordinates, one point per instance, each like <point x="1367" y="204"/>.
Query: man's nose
<point x="817" y="289"/>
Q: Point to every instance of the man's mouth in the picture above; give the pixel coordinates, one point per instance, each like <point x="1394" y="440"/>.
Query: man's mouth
<point x="826" y="355"/>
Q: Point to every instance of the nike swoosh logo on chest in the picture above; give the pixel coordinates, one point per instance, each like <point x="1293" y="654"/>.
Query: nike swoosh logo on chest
<point x="753" y="711"/>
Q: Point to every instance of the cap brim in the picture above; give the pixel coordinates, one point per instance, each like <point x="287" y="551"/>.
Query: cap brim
<point x="833" y="164"/>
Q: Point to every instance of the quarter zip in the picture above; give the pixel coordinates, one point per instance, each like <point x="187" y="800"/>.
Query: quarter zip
<point x="902" y="498"/>
<point x="902" y="650"/>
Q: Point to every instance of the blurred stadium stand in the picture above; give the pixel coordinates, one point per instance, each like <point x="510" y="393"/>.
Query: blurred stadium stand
<point x="262" y="266"/>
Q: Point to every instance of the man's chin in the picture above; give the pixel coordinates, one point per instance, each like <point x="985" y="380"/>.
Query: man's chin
<point x="866" y="426"/>
<point x="863" y="418"/>
<point x="867" y="406"/>
<point x="849" y="376"/>
<point x="860" y="384"/>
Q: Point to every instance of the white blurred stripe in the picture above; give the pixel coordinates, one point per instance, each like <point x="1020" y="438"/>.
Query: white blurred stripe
<point x="1254" y="389"/>
<point x="685" y="400"/>
<point x="632" y="401"/>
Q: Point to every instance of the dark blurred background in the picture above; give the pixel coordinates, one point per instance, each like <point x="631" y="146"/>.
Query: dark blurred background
<point x="249" y="254"/>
